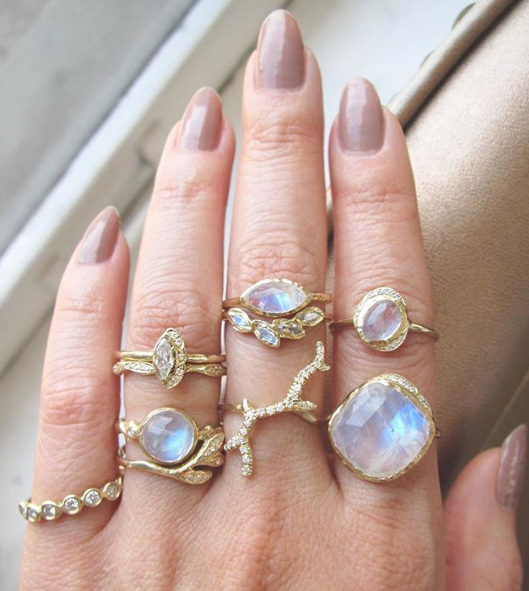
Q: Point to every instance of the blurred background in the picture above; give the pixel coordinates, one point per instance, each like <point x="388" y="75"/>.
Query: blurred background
<point x="88" y="92"/>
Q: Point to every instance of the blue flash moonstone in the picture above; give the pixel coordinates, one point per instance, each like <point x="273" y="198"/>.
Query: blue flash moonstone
<point x="276" y="297"/>
<point x="168" y="436"/>
<point x="380" y="431"/>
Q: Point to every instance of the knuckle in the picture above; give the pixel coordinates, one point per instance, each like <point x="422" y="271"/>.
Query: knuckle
<point x="192" y="185"/>
<point x="388" y="204"/>
<point x="85" y="306"/>
<point x="276" y="255"/>
<point x="163" y="307"/>
<point x="286" y="133"/>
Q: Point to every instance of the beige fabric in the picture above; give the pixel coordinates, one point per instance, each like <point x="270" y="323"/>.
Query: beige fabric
<point x="467" y="123"/>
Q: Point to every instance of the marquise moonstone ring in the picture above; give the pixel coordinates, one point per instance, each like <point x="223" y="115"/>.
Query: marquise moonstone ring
<point x="381" y="320"/>
<point x="170" y="361"/>
<point x="286" y="303"/>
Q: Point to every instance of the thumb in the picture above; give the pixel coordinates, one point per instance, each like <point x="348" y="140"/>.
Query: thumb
<point x="480" y="515"/>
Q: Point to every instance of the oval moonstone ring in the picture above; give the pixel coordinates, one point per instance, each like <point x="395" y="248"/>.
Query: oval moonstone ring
<point x="284" y="301"/>
<point x="381" y="320"/>
<point x="382" y="429"/>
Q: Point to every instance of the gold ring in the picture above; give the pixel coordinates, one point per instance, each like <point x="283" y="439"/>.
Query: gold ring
<point x="175" y="445"/>
<point x="381" y="320"/>
<point x="71" y="504"/>
<point x="293" y="402"/>
<point x="383" y="428"/>
<point x="278" y="299"/>
<point x="170" y="361"/>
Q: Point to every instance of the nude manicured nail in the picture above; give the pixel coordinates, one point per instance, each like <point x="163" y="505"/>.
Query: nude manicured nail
<point x="512" y="469"/>
<point x="202" y="123"/>
<point x="281" y="56"/>
<point x="100" y="238"/>
<point x="361" y="119"/>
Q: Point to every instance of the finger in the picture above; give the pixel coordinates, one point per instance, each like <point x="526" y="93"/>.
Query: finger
<point x="378" y="243"/>
<point x="279" y="231"/>
<point x="481" y="547"/>
<point x="178" y="280"/>
<point x="79" y="400"/>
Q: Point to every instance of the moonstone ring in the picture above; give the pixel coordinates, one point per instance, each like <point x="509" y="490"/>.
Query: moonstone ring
<point x="285" y="302"/>
<point x="169" y="361"/>
<point x="174" y="444"/>
<point x="382" y="429"/>
<point x="381" y="320"/>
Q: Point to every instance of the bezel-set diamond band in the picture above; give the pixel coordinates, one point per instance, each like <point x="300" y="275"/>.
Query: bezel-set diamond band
<point x="380" y="431"/>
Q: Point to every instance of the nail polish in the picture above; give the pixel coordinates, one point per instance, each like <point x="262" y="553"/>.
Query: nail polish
<point x="100" y="239"/>
<point x="512" y="469"/>
<point x="202" y="122"/>
<point x="360" y="119"/>
<point x="280" y="55"/>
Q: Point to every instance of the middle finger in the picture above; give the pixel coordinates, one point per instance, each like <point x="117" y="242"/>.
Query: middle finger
<point x="279" y="231"/>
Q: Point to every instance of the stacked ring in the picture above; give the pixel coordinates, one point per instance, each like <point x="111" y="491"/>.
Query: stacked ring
<point x="285" y="302"/>
<point x="170" y="361"/>
<point x="175" y="445"/>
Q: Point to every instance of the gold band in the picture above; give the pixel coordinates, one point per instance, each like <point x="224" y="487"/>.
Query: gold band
<point x="325" y="298"/>
<point x="412" y="326"/>
<point x="170" y="361"/>
<point x="71" y="504"/>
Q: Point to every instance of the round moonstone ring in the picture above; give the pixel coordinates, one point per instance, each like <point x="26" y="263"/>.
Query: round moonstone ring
<point x="285" y="302"/>
<point x="381" y="320"/>
<point x="382" y="429"/>
<point x="172" y="440"/>
<point x="169" y="361"/>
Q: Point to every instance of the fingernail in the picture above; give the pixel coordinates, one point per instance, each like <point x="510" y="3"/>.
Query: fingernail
<point x="202" y="121"/>
<point x="360" y="120"/>
<point x="512" y="469"/>
<point x="100" y="238"/>
<point x="281" y="56"/>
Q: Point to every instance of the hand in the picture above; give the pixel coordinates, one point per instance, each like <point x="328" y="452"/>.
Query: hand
<point x="303" y="520"/>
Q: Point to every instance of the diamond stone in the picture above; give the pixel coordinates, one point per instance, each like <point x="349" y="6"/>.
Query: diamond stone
<point x="291" y="329"/>
<point x="71" y="505"/>
<point x="381" y="320"/>
<point x="240" y="320"/>
<point x="32" y="514"/>
<point x="112" y="491"/>
<point x="163" y="358"/>
<point x="266" y="334"/>
<point x="92" y="498"/>
<point x="311" y="316"/>
<point x="49" y="511"/>
<point x="168" y="436"/>
<point x="275" y="297"/>
<point x="380" y="431"/>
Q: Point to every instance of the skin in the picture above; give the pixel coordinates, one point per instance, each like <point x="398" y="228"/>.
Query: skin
<point x="303" y="521"/>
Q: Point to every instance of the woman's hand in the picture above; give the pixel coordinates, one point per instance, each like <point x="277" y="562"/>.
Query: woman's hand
<point x="303" y="520"/>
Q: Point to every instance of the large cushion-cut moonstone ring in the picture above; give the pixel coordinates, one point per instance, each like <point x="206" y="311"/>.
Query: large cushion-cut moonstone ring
<point x="174" y="444"/>
<point x="383" y="428"/>
<point x="286" y="303"/>
<point x="381" y="320"/>
<point x="169" y="361"/>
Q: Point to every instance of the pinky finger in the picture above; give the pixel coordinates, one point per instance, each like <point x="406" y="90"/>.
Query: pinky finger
<point x="481" y="547"/>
